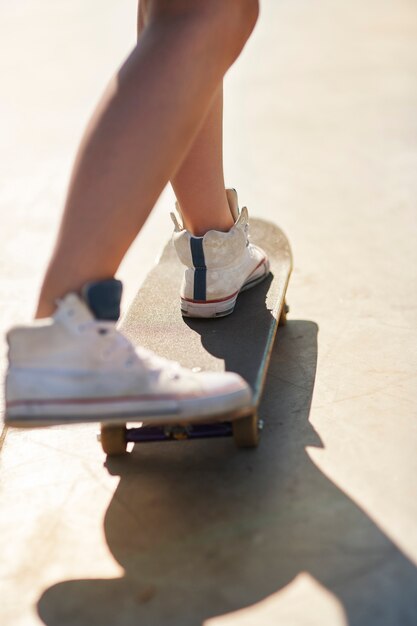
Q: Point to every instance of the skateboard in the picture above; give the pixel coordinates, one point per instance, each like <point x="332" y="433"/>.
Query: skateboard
<point x="241" y="342"/>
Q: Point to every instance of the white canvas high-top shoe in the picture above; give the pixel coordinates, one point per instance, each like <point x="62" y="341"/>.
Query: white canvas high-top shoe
<point x="218" y="265"/>
<point x="77" y="367"/>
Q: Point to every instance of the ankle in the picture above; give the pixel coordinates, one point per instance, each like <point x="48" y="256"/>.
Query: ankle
<point x="45" y="308"/>
<point x="208" y="218"/>
<point x="200" y="229"/>
<point x="102" y="297"/>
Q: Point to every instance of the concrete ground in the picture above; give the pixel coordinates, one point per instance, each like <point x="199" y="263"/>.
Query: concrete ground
<point x="316" y="527"/>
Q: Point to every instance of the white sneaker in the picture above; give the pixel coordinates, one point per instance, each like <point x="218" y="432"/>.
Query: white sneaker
<point x="76" y="367"/>
<point x="219" y="265"/>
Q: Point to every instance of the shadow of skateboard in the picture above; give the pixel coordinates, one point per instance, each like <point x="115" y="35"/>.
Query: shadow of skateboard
<point x="200" y="532"/>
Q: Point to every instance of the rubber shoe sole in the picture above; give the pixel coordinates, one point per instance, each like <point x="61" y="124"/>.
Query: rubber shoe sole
<point x="224" y="306"/>
<point x="165" y="410"/>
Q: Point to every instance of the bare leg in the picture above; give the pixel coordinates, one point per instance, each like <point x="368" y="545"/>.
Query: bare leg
<point x="199" y="181"/>
<point x="140" y="133"/>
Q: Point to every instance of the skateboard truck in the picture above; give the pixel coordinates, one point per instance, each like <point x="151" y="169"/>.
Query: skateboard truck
<point x="147" y="434"/>
<point x="114" y="438"/>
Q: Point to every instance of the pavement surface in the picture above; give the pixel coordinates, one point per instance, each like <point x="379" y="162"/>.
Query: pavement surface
<point x="316" y="527"/>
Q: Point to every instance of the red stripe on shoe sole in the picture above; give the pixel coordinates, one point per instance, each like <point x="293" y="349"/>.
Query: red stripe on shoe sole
<point x="98" y="400"/>
<point x="211" y="301"/>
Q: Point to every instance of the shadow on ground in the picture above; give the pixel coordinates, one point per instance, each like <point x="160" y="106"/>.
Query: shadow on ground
<point x="202" y="529"/>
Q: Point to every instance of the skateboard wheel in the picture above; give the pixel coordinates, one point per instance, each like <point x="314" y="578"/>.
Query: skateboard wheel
<point x="113" y="439"/>
<point x="283" y="316"/>
<point x="246" y="431"/>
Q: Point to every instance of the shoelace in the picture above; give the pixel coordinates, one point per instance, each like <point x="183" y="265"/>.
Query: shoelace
<point x="157" y="363"/>
<point x="117" y="342"/>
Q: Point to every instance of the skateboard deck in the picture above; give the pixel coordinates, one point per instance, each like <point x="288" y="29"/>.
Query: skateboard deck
<point x="241" y="342"/>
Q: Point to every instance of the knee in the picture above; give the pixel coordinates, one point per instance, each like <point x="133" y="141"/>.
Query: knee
<point x="239" y="16"/>
<point x="239" y="23"/>
<point x="230" y="23"/>
<point x="224" y="25"/>
<point x="249" y="13"/>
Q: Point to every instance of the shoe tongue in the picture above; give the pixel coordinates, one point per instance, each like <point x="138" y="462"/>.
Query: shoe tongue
<point x="103" y="298"/>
